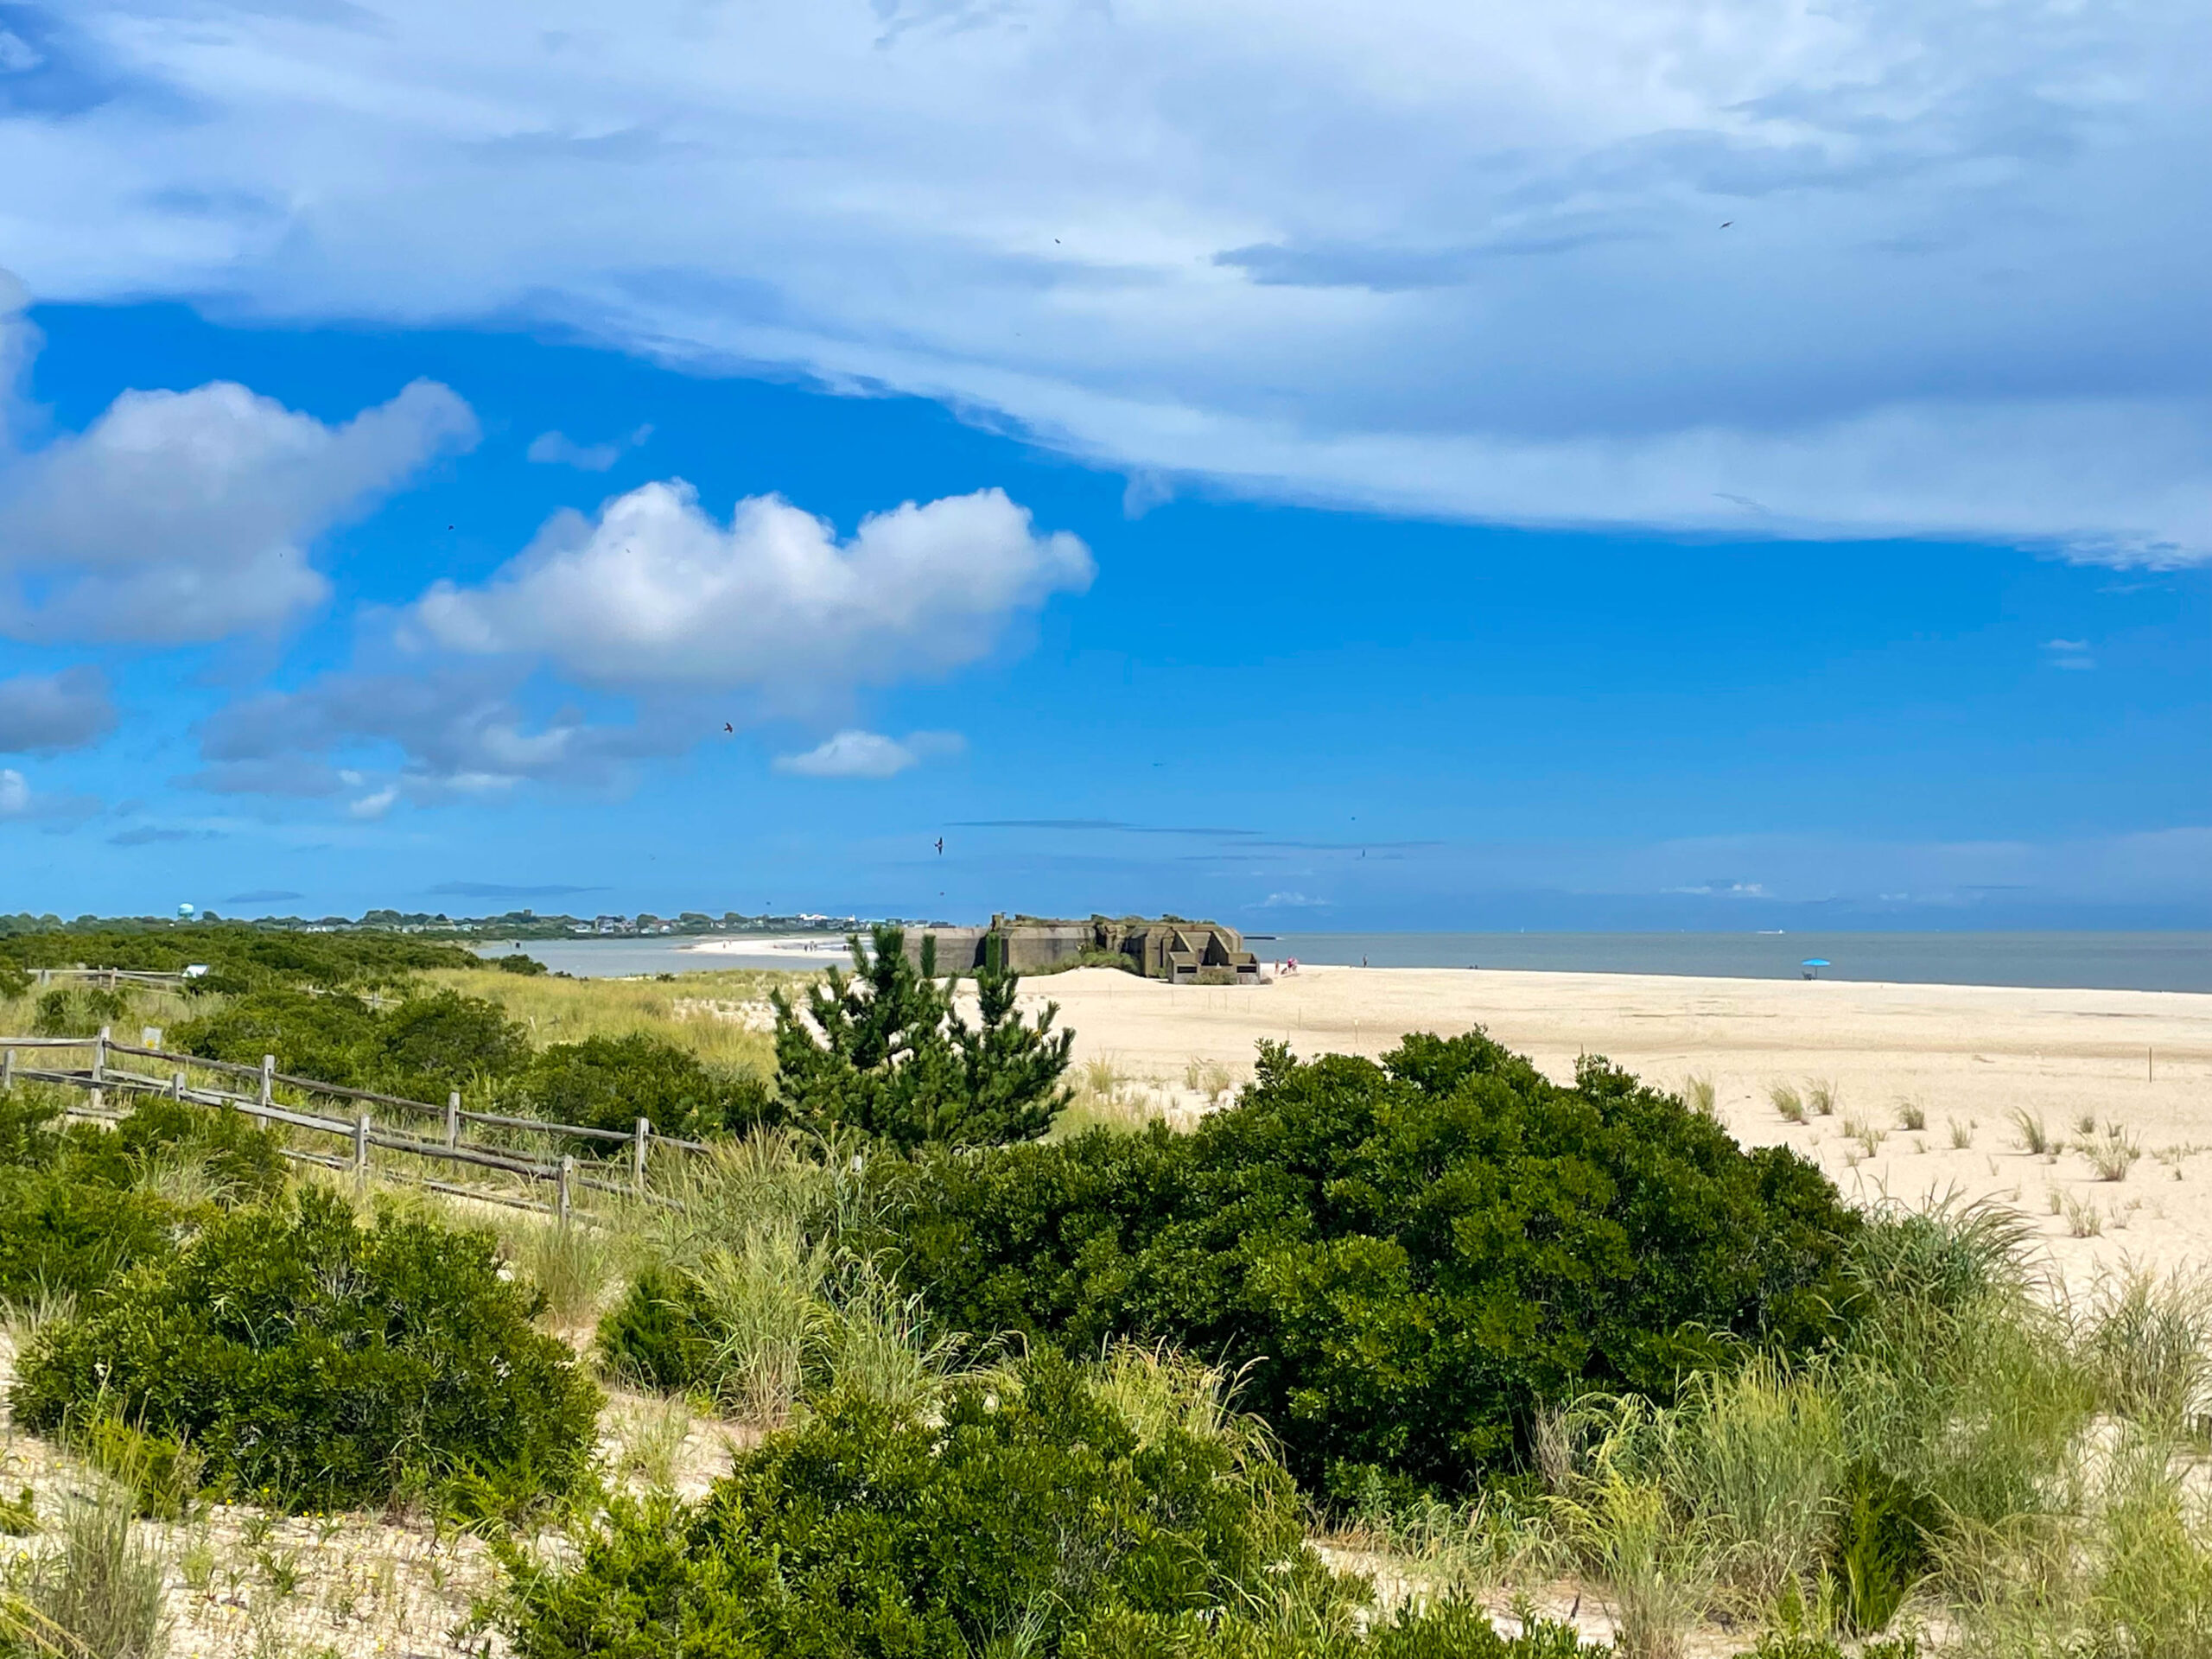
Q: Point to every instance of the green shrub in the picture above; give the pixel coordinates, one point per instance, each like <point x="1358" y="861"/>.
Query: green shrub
<point x="60" y="1236"/>
<point x="75" y="1206"/>
<point x="608" y="1083"/>
<point x="658" y="1335"/>
<point x="883" y="1051"/>
<point x="432" y="1043"/>
<point x="1412" y="1258"/>
<point x="332" y="1037"/>
<point x="518" y="963"/>
<point x="1029" y="1516"/>
<point x="245" y="1162"/>
<point x="321" y="1361"/>
<point x="419" y="1050"/>
<point x="59" y="1013"/>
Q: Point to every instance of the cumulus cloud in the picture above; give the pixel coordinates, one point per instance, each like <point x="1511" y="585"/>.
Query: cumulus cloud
<point x="555" y="449"/>
<point x="45" y="713"/>
<point x="1450" y="259"/>
<point x="180" y="516"/>
<point x="655" y="592"/>
<point x="855" y="753"/>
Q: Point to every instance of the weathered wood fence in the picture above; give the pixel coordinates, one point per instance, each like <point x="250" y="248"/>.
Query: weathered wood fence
<point x="108" y="1072"/>
<point x="111" y="978"/>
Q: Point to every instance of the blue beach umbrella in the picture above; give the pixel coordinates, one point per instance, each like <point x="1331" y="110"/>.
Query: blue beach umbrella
<point x="1814" y="962"/>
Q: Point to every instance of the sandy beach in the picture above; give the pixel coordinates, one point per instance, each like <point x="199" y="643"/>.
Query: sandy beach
<point x="1972" y="1055"/>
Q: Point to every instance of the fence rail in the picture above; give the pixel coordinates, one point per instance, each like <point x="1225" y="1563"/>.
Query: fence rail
<point x="110" y="978"/>
<point x="562" y="1173"/>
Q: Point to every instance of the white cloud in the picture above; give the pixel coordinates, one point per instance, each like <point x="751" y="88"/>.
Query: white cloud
<point x="18" y="800"/>
<point x="853" y="754"/>
<point x="48" y="713"/>
<point x="1453" y="259"/>
<point x="182" y="517"/>
<point x="656" y="593"/>
<point x="374" y="805"/>
<point x="555" y="449"/>
<point x="17" y="55"/>
<point x="2069" y="653"/>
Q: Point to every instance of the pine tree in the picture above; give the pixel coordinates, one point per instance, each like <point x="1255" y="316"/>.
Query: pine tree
<point x="883" y="1051"/>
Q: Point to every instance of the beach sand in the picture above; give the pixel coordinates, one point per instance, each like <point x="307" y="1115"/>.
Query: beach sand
<point x="1972" y="1054"/>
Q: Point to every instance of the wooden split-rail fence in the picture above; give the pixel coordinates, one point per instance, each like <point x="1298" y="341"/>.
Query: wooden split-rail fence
<point x="108" y="1072"/>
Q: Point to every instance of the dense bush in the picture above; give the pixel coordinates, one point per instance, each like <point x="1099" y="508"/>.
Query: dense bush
<point x="883" y="1051"/>
<point x="324" y="1363"/>
<point x="1412" y="1257"/>
<point x="608" y="1083"/>
<point x="419" y="1050"/>
<point x="1032" y="1504"/>
<point x="660" y="1333"/>
<point x="75" y="1206"/>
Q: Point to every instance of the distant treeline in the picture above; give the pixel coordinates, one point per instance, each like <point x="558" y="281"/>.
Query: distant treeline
<point x="239" y="956"/>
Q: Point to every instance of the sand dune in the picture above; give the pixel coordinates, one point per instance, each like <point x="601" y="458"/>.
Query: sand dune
<point x="1976" y="1054"/>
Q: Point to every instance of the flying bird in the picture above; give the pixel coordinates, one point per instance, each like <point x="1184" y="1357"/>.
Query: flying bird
<point x="940" y="846"/>
<point x="1725" y="223"/>
<point x="728" y="727"/>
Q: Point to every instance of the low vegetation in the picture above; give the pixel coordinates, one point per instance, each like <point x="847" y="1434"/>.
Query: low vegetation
<point x="314" y="1362"/>
<point x="1414" y="1258"/>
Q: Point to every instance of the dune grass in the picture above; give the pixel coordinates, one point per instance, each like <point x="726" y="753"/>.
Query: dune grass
<point x="716" y="1015"/>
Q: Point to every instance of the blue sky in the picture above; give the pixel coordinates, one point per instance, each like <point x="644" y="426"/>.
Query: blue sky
<point x="1321" y="475"/>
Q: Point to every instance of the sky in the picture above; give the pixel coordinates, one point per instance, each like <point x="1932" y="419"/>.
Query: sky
<point x="1595" y="465"/>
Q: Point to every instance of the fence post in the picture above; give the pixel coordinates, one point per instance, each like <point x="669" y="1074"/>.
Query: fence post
<point x="568" y="1174"/>
<point x="361" y="1151"/>
<point x="7" y="1071"/>
<point x="176" y="1085"/>
<point x="453" y="1118"/>
<point x="638" y="1156"/>
<point x="268" y="1081"/>
<point x="99" y="1056"/>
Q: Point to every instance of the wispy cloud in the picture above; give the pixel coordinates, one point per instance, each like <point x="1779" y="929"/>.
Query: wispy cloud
<point x="2069" y="653"/>
<point x="1496" y="292"/>
<point x="553" y="448"/>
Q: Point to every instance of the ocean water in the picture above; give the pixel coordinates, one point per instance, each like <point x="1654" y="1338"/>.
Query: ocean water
<point x="2141" y="961"/>
<point x="2134" y="961"/>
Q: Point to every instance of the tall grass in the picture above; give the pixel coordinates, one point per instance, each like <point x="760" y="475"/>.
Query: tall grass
<point x="689" y="1011"/>
<point x="96" y="1593"/>
<point x="1653" y="1561"/>
<point x="1699" y="1093"/>
<point x="576" y="1266"/>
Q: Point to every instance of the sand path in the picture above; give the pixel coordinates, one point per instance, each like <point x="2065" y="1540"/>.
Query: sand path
<point x="1975" y="1054"/>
